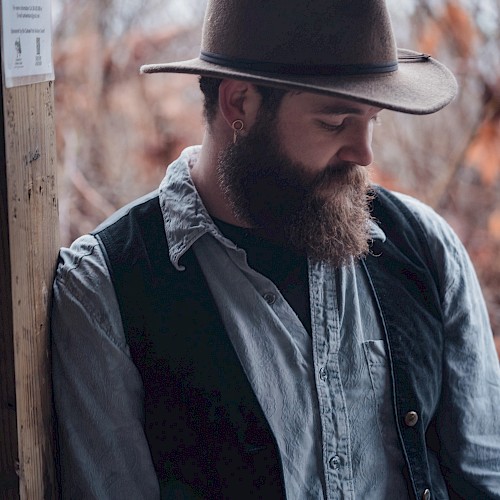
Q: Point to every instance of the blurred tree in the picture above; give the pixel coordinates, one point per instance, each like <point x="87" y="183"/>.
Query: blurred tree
<point x="451" y="160"/>
<point x="115" y="128"/>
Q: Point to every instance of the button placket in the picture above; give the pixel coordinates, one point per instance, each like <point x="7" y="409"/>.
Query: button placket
<point x="334" y="462"/>
<point x="326" y="328"/>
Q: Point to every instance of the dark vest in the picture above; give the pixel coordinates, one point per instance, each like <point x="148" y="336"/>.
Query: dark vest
<point x="207" y="433"/>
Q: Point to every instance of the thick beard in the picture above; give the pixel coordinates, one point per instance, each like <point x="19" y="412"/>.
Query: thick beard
<point x="325" y="216"/>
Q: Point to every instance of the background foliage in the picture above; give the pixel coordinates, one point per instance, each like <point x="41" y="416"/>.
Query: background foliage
<point x="118" y="130"/>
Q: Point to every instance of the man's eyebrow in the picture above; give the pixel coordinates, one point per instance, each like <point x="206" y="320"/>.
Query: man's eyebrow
<point x="331" y="109"/>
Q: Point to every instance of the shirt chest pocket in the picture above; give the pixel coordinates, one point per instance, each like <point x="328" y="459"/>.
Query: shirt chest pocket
<point x="379" y="373"/>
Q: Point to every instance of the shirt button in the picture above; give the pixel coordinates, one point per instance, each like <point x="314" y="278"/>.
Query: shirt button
<point x="411" y="418"/>
<point x="323" y="374"/>
<point x="334" y="462"/>
<point x="426" y="495"/>
<point x="270" y="298"/>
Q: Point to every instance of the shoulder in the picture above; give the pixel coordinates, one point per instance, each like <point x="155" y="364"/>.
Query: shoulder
<point x="130" y="231"/>
<point x="83" y="257"/>
<point x="139" y="208"/>
<point x="434" y="226"/>
<point x="83" y="292"/>
<point x="439" y="234"/>
<point x="426" y="215"/>
<point x="452" y="261"/>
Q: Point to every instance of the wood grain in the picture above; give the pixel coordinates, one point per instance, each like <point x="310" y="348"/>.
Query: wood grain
<point x="34" y="241"/>
<point x="9" y="484"/>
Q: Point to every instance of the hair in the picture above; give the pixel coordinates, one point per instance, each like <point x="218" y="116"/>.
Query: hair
<point x="209" y="86"/>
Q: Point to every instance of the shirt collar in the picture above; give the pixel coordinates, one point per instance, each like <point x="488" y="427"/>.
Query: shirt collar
<point x="376" y="232"/>
<point x="185" y="217"/>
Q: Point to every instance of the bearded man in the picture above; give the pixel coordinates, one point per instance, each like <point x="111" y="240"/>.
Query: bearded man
<point x="268" y="324"/>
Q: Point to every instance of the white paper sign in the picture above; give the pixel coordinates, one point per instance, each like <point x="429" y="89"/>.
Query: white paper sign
<point x="27" y="41"/>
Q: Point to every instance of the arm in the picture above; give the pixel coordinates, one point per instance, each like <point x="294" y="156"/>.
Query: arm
<point x="98" y="393"/>
<point x="468" y="420"/>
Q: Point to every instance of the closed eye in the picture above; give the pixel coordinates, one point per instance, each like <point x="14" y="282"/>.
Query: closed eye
<point x="331" y="127"/>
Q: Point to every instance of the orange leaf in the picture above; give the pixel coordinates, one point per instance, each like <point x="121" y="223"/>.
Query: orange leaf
<point x="460" y="27"/>
<point x="494" y="224"/>
<point x="454" y="26"/>
<point x="431" y="38"/>
<point x="484" y="151"/>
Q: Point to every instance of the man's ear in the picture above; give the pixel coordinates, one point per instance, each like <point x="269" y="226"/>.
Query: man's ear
<point x="239" y="100"/>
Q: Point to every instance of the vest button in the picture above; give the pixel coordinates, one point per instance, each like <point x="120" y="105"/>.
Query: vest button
<point x="270" y="298"/>
<point x="411" y="418"/>
<point x="426" y="495"/>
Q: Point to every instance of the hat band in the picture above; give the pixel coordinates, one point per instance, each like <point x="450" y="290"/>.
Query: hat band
<point x="299" y="69"/>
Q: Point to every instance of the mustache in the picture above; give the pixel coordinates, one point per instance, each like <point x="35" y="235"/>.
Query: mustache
<point x="341" y="173"/>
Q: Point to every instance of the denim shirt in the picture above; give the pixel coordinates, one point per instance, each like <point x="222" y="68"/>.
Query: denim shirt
<point x="326" y="398"/>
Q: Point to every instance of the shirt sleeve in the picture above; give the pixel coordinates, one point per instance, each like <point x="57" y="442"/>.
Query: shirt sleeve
<point x="468" y="420"/>
<point x="98" y="393"/>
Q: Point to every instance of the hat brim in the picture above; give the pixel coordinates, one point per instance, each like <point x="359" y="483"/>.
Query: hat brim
<point x="419" y="86"/>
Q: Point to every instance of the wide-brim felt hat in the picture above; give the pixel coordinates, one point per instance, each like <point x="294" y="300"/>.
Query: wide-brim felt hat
<point x="343" y="48"/>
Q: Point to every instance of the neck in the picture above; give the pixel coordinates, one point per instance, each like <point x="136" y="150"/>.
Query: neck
<point x="204" y="175"/>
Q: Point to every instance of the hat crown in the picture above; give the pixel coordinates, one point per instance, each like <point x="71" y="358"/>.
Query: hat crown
<point x="308" y="32"/>
<point x="340" y="48"/>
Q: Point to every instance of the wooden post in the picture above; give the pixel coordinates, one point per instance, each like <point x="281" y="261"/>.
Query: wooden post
<point x="8" y="429"/>
<point x="29" y="245"/>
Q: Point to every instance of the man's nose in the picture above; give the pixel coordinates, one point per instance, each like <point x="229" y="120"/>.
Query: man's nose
<point x="357" y="147"/>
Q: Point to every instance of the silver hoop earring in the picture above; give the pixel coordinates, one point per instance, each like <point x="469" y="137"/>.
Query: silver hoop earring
<point x="237" y="126"/>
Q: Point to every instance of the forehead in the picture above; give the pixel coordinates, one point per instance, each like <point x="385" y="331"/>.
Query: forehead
<point x="328" y="105"/>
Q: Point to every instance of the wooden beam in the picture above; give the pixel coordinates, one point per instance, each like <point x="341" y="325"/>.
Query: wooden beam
<point x="9" y="484"/>
<point x="33" y="238"/>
